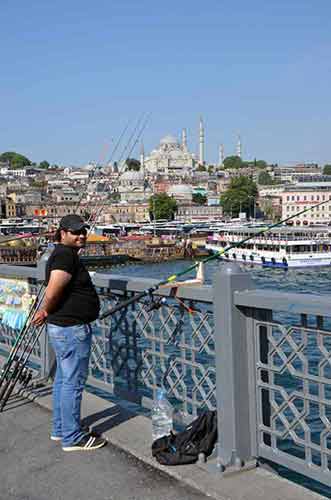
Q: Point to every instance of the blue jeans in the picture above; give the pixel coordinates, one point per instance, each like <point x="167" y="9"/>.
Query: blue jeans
<point x="72" y="346"/>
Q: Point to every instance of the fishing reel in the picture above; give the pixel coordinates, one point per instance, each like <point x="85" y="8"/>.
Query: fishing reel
<point x="155" y="304"/>
<point x="25" y="377"/>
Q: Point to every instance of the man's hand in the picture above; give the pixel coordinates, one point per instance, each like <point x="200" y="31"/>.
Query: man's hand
<point x="40" y="317"/>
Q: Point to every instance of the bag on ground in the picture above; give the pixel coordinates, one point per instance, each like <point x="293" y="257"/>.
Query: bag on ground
<point x="199" y="436"/>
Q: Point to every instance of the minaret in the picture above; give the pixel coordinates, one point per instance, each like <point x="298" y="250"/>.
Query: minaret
<point x="221" y="155"/>
<point x="238" y="148"/>
<point x="201" y="142"/>
<point x="142" y="155"/>
<point x="184" y="139"/>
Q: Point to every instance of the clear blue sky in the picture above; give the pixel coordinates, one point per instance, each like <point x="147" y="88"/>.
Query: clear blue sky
<point x="74" y="72"/>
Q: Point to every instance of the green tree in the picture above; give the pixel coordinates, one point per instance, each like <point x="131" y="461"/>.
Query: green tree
<point x="132" y="164"/>
<point x="265" y="178"/>
<point x="240" y="196"/>
<point x="199" y="198"/>
<point x="233" y="162"/>
<point x="44" y="164"/>
<point x="269" y="211"/>
<point x="201" y="168"/>
<point x="162" y="206"/>
<point x="327" y="169"/>
<point x="260" y="164"/>
<point x="16" y="160"/>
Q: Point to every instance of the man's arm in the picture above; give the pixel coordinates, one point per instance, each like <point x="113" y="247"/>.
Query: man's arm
<point x="57" y="283"/>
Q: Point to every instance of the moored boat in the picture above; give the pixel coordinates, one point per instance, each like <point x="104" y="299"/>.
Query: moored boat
<point x="280" y="247"/>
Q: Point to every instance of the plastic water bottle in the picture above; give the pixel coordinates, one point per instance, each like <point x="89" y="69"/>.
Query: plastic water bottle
<point x="161" y="415"/>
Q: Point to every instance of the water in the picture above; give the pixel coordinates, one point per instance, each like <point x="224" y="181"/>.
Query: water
<point x="305" y="280"/>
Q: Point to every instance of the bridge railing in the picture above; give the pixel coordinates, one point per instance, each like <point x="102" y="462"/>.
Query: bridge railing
<point x="277" y="350"/>
<point x="262" y="358"/>
<point x="165" y="340"/>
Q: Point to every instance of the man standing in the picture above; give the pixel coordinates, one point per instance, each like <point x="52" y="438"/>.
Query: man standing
<point x="70" y="304"/>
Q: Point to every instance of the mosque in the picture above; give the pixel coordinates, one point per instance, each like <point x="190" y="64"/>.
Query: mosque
<point x="173" y="162"/>
<point x="173" y="158"/>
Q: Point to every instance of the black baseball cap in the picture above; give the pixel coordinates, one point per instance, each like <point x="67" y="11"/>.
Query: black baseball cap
<point x="73" y="222"/>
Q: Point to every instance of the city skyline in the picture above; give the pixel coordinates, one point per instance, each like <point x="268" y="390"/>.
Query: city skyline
<point x="74" y="74"/>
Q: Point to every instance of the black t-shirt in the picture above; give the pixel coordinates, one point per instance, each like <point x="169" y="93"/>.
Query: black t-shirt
<point x="79" y="303"/>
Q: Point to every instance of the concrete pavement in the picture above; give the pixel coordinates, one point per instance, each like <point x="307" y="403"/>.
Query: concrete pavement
<point x="34" y="468"/>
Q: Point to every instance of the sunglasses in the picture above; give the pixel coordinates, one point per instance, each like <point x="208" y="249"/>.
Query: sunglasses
<point x="77" y="232"/>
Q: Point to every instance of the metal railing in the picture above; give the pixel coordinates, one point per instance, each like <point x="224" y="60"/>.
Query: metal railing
<point x="156" y="342"/>
<point x="261" y="357"/>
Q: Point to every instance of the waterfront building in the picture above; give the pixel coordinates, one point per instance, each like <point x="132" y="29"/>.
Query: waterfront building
<point x="195" y="213"/>
<point x="299" y="172"/>
<point x="298" y="197"/>
<point x="10" y="208"/>
<point x="125" y="212"/>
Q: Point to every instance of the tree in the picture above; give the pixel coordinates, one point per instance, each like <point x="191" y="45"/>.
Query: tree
<point x="199" y="198"/>
<point x="132" y="164"/>
<point x="233" y="162"/>
<point x="240" y="196"/>
<point x="327" y="169"/>
<point x="162" y="206"/>
<point x="265" y="178"/>
<point x="16" y="160"/>
<point x="260" y="164"/>
<point x="201" y="168"/>
<point x="44" y="164"/>
<point x="269" y="210"/>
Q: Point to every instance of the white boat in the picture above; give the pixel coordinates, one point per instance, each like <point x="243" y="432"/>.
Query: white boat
<point x="280" y="247"/>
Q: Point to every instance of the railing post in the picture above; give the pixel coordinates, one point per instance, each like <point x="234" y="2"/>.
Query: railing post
<point x="233" y="384"/>
<point x="47" y="356"/>
<point x="47" y="361"/>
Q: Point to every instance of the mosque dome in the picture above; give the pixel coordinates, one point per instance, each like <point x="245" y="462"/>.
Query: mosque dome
<point x="132" y="176"/>
<point x="169" y="139"/>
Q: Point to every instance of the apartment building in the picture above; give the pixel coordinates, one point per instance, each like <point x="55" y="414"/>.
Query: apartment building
<point x="304" y="195"/>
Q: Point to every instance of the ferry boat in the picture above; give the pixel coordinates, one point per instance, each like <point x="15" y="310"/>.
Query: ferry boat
<point x="282" y="246"/>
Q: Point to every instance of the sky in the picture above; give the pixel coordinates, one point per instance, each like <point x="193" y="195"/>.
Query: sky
<point x="75" y="73"/>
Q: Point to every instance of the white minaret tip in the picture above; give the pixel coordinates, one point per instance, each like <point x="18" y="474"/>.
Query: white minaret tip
<point x="142" y="155"/>
<point x="184" y="139"/>
<point x="221" y="155"/>
<point x="201" y="142"/>
<point x="239" y="146"/>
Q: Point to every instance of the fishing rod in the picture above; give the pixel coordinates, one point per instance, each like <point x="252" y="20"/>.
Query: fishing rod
<point x="96" y="166"/>
<point x="19" y="371"/>
<point x="170" y="279"/>
<point x="136" y="128"/>
<point x="15" y="369"/>
<point x="51" y="233"/>
<point x="139" y="134"/>
<point x="19" y="339"/>
<point x="26" y="236"/>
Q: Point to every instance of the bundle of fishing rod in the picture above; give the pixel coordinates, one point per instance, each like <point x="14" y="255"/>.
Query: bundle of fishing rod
<point x="16" y="370"/>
